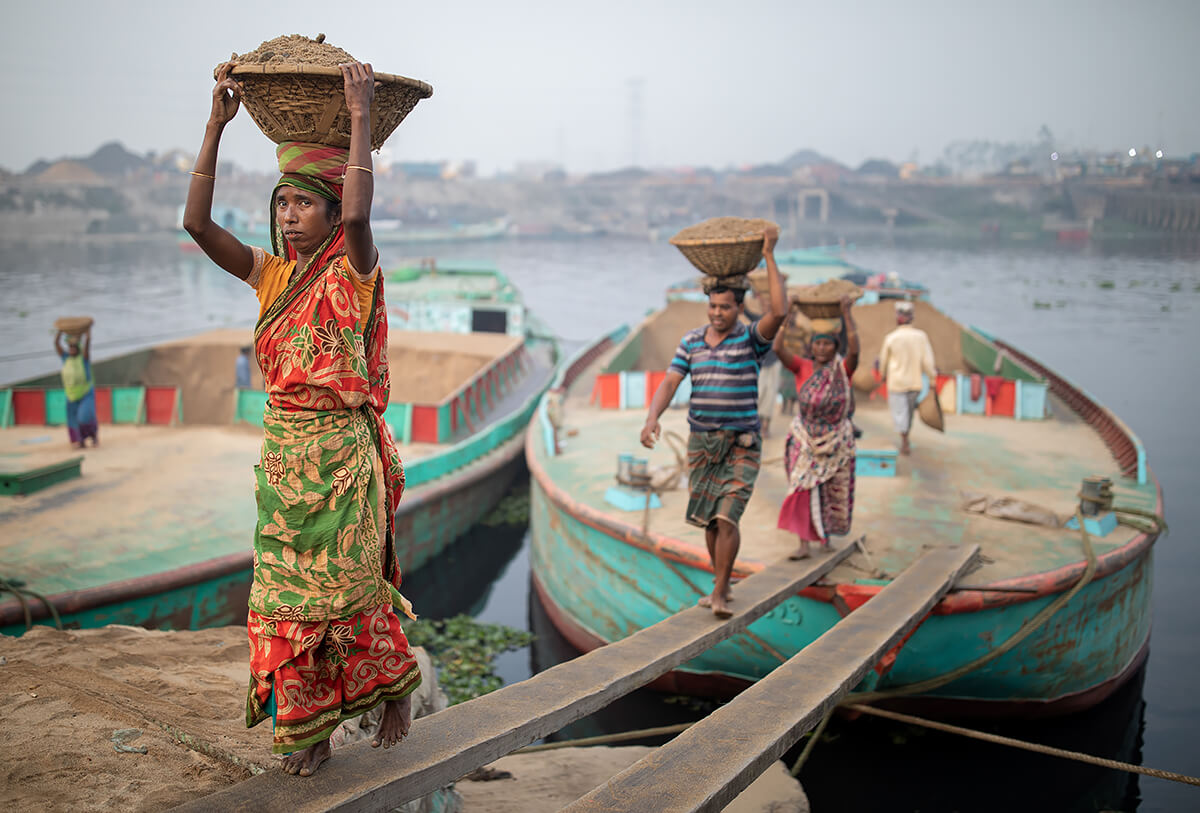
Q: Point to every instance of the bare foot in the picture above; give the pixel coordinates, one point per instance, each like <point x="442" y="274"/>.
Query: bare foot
<point x="720" y="606"/>
<point x="397" y="717"/>
<point x="306" y="762"/>
<point x="799" y="553"/>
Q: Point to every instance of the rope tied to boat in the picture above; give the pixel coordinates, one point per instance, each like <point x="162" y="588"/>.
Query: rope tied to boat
<point x="20" y="591"/>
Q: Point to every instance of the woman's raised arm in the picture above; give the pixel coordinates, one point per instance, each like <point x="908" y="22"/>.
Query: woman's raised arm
<point x="359" y="187"/>
<point x="221" y="247"/>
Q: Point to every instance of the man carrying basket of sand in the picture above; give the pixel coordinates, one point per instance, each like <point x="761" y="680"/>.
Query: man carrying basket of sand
<point x="724" y="449"/>
<point x="326" y="643"/>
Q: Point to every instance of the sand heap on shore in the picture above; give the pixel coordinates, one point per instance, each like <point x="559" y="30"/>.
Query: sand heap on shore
<point x="66" y="694"/>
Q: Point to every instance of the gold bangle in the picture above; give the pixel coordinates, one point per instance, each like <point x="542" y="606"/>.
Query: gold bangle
<point x="367" y="170"/>
<point x="203" y="175"/>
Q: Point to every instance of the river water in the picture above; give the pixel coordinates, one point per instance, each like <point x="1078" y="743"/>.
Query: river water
<point x="1124" y="324"/>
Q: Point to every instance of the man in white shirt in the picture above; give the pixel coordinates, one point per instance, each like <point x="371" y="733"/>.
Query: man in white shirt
<point x="905" y="355"/>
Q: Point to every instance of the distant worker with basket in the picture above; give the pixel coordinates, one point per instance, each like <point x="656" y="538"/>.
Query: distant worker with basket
<point x="326" y="642"/>
<point x="723" y="359"/>
<point x="905" y="355"/>
<point x="78" y="384"/>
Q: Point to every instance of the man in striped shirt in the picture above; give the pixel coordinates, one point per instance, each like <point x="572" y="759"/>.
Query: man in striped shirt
<point x="723" y="358"/>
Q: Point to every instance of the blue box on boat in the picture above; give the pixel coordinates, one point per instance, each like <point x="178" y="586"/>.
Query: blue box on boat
<point x="875" y="463"/>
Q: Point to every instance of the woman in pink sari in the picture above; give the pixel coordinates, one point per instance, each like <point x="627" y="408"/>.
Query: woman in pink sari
<point x="819" y="456"/>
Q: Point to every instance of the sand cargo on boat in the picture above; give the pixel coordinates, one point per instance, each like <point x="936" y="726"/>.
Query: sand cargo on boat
<point x="156" y="528"/>
<point x="605" y="567"/>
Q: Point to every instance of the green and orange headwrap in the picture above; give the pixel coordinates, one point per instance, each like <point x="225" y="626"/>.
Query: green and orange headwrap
<point x="317" y="168"/>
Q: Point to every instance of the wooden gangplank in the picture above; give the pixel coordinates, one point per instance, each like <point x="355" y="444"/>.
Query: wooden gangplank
<point x="445" y="746"/>
<point x="705" y="767"/>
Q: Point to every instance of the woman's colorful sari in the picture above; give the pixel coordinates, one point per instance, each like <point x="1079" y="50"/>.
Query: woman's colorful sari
<point x="325" y="643"/>
<point x="81" y="398"/>
<point x="819" y="457"/>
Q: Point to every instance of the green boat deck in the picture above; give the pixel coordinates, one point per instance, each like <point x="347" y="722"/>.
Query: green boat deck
<point x="1042" y="462"/>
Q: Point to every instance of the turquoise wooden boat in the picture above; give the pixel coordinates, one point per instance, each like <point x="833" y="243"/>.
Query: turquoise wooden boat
<point x="605" y="566"/>
<point x="157" y="530"/>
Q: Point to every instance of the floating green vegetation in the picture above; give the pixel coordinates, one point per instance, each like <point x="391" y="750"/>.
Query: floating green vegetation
<point x="512" y="510"/>
<point x="1134" y="283"/>
<point x="1061" y="303"/>
<point x="463" y="651"/>
<point x="1175" y="286"/>
<point x="1165" y="308"/>
<point x="1041" y="306"/>
<point x="1106" y="284"/>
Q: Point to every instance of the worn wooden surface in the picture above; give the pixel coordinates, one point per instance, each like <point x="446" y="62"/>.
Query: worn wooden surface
<point x="444" y="746"/>
<point x="709" y="764"/>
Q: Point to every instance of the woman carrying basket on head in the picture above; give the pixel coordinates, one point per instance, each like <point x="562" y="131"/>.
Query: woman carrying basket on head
<point x="325" y="640"/>
<point x="819" y="455"/>
<point x="78" y="386"/>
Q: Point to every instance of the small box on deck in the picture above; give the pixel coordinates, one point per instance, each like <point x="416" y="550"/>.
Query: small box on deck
<point x="875" y="463"/>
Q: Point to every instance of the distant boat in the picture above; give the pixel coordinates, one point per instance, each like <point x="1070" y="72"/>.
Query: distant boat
<point x="157" y="531"/>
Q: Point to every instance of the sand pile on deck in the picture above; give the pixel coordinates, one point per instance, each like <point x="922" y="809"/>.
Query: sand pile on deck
<point x="876" y="321"/>
<point x="428" y="376"/>
<point x="662" y="332"/>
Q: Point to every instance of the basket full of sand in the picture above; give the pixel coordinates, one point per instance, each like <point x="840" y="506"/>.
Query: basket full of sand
<point x="824" y="301"/>
<point x="723" y="246"/>
<point x="293" y="89"/>
<point x="73" y="325"/>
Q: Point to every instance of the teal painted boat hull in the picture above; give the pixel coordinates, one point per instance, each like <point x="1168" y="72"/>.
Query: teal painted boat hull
<point x="605" y="589"/>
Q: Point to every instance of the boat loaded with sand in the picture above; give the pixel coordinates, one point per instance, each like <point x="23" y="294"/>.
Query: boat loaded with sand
<point x="154" y="526"/>
<point x="1049" y="621"/>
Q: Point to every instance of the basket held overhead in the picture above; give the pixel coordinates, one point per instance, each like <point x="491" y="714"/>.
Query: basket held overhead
<point x="824" y="301"/>
<point x="737" y="251"/>
<point x="73" y="325"/>
<point x="302" y="102"/>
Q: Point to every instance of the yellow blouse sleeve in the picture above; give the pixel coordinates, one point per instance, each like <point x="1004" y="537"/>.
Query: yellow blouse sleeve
<point x="365" y="288"/>
<point x="268" y="277"/>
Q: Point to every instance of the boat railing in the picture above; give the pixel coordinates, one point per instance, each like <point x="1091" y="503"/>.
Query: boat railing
<point x="788" y="703"/>
<point x="1125" y="446"/>
<point x="570" y="369"/>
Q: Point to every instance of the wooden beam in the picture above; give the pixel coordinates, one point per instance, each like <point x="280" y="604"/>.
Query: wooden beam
<point x="444" y="746"/>
<point x="705" y="767"/>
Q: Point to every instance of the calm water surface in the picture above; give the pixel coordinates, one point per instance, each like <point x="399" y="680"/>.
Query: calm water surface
<point x="1124" y="326"/>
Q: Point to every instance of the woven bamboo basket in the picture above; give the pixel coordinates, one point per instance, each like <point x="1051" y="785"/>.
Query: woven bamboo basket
<point x="299" y="102"/>
<point x="73" y="325"/>
<point x="723" y="256"/>
<point x="823" y="307"/>
<point x="760" y="283"/>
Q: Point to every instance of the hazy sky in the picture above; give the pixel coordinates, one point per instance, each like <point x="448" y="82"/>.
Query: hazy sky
<point x="722" y="82"/>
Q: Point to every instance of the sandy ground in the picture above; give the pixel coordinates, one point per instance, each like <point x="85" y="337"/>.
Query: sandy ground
<point x="66" y="695"/>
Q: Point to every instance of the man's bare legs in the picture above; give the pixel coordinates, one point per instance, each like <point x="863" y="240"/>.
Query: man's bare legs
<point x="723" y="539"/>
<point x="904" y="447"/>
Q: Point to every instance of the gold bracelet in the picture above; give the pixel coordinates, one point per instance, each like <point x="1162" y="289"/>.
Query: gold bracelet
<point x="203" y="175"/>
<point x="367" y="170"/>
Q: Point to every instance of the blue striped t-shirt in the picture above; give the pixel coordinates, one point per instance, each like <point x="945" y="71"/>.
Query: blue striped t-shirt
<point x="724" y="378"/>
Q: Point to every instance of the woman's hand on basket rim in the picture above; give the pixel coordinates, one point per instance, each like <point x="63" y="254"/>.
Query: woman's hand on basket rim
<point x="359" y="82"/>
<point x="770" y="238"/>
<point x="847" y="302"/>
<point x="227" y="95"/>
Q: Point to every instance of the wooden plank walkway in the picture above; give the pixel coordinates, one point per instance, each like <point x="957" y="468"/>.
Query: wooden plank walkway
<point x="705" y="767"/>
<point x="445" y="746"/>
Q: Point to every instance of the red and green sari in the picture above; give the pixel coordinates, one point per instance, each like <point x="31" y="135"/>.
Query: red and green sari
<point x="325" y="641"/>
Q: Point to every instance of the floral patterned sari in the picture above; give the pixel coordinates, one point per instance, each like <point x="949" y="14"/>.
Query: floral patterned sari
<point x="325" y="643"/>
<point x="819" y="457"/>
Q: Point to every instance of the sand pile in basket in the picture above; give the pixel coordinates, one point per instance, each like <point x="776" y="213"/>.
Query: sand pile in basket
<point x="296" y="48"/>
<point x="831" y="290"/>
<point x="724" y="227"/>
